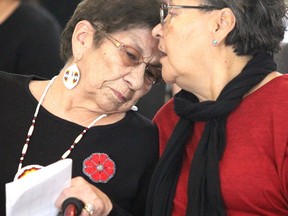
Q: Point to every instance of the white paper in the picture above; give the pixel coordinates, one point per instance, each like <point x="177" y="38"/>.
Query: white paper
<point x="36" y="193"/>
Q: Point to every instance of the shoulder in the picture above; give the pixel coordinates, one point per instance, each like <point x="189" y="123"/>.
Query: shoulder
<point x="269" y="104"/>
<point x="10" y="79"/>
<point x="13" y="82"/>
<point x="139" y="125"/>
<point x="165" y="120"/>
<point x="137" y="119"/>
<point x="38" y="17"/>
<point x="276" y="95"/>
<point x="139" y="130"/>
<point x="278" y="86"/>
<point x="166" y="115"/>
<point x="281" y="80"/>
<point x="272" y="95"/>
<point x="14" y="91"/>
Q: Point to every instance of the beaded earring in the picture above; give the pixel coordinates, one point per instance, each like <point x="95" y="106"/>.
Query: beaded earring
<point x="214" y="42"/>
<point x="71" y="76"/>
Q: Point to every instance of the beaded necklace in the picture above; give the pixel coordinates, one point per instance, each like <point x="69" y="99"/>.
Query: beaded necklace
<point x="31" y="129"/>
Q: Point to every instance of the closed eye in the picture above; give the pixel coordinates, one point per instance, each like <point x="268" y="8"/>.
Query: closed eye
<point x="132" y="57"/>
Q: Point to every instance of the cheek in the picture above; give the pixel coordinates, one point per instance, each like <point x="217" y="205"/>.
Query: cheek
<point x="140" y="93"/>
<point x="174" y="44"/>
<point x="183" y="49"/>
<point x="106" y="74"/>
<point x="108" y="67"/>
<point x="172" y="64"/>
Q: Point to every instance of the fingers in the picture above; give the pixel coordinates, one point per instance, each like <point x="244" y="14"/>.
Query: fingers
<point x="89" y="208"/>
<point x="96" y="202"/>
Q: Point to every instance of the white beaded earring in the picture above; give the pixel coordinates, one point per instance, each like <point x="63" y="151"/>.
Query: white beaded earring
<point x="71" y="76"/>
<point x="214" y="42"/>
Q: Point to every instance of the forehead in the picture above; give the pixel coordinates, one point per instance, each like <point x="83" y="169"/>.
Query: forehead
<point x="140" y="38"/>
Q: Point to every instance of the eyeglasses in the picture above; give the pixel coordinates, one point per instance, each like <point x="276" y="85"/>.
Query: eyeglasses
<point x="132" y="57"/>
<point x="165" y="9"/>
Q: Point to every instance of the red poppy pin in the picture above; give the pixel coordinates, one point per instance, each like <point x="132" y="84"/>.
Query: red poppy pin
<point x="99" y="167"/>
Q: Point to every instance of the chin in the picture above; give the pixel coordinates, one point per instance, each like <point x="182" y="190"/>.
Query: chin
<point x="168" y="73"/>
<point x="168" y="79"/>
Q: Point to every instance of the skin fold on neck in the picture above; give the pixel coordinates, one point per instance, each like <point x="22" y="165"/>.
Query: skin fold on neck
<point x="81" y="116"/>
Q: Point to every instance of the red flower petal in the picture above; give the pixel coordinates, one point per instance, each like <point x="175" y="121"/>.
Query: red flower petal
<point x="89" y="163"/>
<point x="89" y="169"/>
<point x="100" y="176"/>
<point x="99" y="167"/>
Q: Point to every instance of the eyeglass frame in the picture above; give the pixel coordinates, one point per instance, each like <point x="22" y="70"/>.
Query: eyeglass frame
<point x="168" y="6"/>
<point x="121" y="46"/>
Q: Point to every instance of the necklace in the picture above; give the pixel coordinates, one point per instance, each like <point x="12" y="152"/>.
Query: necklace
<point x="56" y="106"/>
<point x="62" y="113"/>
<point x="21" y="170"/>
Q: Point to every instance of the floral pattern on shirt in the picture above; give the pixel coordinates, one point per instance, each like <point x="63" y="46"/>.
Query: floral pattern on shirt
<point x="99" y="167"/>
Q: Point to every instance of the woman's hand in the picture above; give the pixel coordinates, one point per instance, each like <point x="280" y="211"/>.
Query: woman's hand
<point x="90" y="195"/>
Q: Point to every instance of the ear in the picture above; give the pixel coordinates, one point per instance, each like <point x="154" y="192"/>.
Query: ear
<point x="82" y="38"/>
<point x="225" y="23"/>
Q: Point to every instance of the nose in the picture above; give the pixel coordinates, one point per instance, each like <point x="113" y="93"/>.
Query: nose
<point x="157" y="31"/>
<point x="135" y="78"/>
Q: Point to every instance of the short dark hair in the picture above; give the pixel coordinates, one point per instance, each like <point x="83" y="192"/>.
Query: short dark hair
<point x="112" y="16"/>
<point x="260" y="25"/>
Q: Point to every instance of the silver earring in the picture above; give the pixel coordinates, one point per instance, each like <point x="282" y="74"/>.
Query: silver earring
<point x="215" y="42"/>
<point x="71" y="76"/>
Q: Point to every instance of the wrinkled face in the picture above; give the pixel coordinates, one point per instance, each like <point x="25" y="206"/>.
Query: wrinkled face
<point x="184" y="39"/>
<point x="110" y="81"/>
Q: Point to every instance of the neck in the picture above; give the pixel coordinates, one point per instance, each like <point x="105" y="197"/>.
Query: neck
<point x="216" y="74"/>
<point x="60" y="103"/>
<point x="7" y="7"/>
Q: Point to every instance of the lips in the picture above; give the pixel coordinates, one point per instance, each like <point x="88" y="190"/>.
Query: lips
<point x="120" y="96"/>
<point x="163" y="54"/>
<point x="161" y="50"/>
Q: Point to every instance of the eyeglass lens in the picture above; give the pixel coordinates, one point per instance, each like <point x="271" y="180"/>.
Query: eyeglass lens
<point x="132" y="57"/>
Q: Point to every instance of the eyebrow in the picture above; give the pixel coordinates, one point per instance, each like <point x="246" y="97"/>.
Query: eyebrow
<point x="134" y="43"/>
<point x="138" y="48"/>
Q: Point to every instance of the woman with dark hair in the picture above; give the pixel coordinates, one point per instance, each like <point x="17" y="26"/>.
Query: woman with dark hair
<point x="87" y="112"/>
<point x="224" y="136"/>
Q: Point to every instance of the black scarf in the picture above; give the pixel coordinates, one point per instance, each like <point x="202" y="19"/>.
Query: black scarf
<point x="204" y="193"/>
